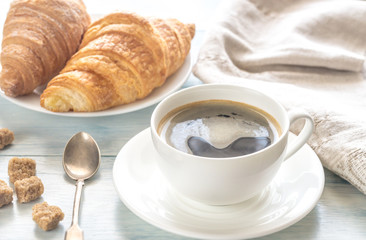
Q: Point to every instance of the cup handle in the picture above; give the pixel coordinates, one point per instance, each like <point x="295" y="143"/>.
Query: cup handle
<point x="305" y="133"/>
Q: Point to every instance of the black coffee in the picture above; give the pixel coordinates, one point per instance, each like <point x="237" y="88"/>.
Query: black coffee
<point x="241" y="146"/>
<point x="218" y="128"/>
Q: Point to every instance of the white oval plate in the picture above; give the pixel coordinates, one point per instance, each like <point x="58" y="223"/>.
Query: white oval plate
<point x="173" y="83"/>
<point x="293" y="193"/>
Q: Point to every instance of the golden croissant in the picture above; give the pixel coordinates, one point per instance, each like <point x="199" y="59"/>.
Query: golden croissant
<point x="122" y="58"/>
<point x="39" y="36"/>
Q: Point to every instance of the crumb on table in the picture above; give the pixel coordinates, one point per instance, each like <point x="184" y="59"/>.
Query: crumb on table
<point x="6" y="137"/>
<point x="47" y="217"/>
<point x="28" y="189"/>
<point x="6" y="194"/>
<point x="20" y="168"/>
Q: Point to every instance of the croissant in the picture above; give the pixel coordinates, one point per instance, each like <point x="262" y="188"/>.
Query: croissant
<point x="122" y="58"/>
<point x="39" y="36"/>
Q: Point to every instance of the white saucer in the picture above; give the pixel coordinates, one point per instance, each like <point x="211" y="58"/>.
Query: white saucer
<point x="291" y="196"/>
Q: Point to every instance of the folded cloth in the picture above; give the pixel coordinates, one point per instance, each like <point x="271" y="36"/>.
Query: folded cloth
<point x="307" y="54"/>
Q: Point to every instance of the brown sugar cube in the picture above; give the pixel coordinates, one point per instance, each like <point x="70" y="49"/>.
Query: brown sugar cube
<point x="6" y="137"/>
<point x="47" y="217"/>
<point x="20" y="168"/>
<point x="6" y="194"/>
<point x="28" y="189"/>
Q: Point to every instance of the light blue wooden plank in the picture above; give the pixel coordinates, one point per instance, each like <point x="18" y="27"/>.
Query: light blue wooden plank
<point x="339" y="213"/>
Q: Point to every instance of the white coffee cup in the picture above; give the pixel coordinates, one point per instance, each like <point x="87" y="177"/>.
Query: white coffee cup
<point x="224" y="181"/>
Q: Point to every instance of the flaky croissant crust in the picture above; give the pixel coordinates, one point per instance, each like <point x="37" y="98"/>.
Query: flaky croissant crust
<point x="39" y="36"/>
<point x="122" y="58"/>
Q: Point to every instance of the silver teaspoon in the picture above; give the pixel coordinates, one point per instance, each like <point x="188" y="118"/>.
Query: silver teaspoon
<point x="81" y="161"/>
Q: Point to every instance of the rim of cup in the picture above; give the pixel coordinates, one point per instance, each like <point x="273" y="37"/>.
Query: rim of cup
<point x="155" y="122"/>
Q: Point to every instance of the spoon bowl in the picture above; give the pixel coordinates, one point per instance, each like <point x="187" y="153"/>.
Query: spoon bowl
<point x="81" y="157"/>
<point x="81" y="161"/>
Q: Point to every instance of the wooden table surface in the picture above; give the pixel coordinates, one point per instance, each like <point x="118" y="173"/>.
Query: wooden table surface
<point x="340" y="213"/>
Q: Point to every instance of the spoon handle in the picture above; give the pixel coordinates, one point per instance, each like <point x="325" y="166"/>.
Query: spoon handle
<point x="75" y="232"/>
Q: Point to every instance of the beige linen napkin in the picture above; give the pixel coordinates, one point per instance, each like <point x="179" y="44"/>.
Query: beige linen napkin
<point x="307" y="54"/>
